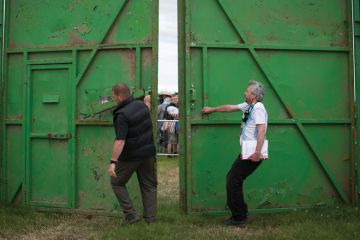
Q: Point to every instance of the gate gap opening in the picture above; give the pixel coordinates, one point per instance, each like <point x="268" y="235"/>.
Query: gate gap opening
<point x="167" y="77"/>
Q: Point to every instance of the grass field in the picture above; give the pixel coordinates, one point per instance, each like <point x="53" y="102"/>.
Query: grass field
<point x="341" y="222"/>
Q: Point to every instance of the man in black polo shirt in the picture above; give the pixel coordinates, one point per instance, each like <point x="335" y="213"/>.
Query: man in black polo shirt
<point x="133" y="151"/>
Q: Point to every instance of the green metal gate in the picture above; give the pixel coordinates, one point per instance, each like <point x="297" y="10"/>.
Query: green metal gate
<point x="302" y="52"/>
<point x="2" y="180"/>
<point x="49" y="135"/>
<point x="356" y="44"/>
<point x="61" y="60"/>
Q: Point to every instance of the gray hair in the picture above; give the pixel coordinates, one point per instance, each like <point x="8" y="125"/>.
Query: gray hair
<point x="257" y="89"/>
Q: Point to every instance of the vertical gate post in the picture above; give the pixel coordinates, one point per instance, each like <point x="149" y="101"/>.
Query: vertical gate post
<point x="356" y="33"/>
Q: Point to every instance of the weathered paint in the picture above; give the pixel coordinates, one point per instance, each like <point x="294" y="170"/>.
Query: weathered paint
<point x="2" y="179"/>
<point x="356" y="31"/>
<point x="62" y="58"/>
<point x="302" y="52"/>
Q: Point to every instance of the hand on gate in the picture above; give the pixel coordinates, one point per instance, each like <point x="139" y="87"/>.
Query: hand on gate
<point x="206" y="110"/>
<point x="111" y="170"/>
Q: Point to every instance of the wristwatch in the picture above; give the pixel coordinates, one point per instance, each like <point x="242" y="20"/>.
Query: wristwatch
<point x="112" y="162"/>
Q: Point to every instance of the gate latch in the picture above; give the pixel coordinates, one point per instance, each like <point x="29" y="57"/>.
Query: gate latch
<point x="192" y="96"/>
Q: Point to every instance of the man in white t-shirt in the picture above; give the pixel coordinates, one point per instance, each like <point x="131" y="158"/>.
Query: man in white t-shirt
<point x="254" y="125"/>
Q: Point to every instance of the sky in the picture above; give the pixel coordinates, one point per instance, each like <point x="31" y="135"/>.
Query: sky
<point x="168" y="55"/>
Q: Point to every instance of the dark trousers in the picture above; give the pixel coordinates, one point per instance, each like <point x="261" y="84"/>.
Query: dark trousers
<point x="239" y="171"/>
<point x="146" y="174"/>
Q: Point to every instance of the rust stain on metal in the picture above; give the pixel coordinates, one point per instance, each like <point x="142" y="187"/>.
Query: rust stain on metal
<point x="129" y="57"/>
<point x="101" y="160"/>
<point x="96" y="175"/>
<point x="147" y="40"/>
<point x="18" y="196"/>
<point x="110" y="33"/>
<point x="249" y="37"/>
<point x="73" y="5"/>
<point x="86" y="151"/>
<point x="82" y="28"/>
<point x="132" y="58"/>
<point x="192" y="37"/>
<point x="20" y="117"/>
<point x="342" y="42"/>
<point x="12" y="44"/>
<point x="67" y="136"/>
<point x="114" y="27"/>
<point x="206" y="96"/>
<point x="146" y="58"/>
<point x="58" y="33"/>
<point x="290" y="111"/>
<point x="75" y="39"/>
<point x="355" y="133"/>
<point x="353" y="108"/>
<point x="272" y="38"/>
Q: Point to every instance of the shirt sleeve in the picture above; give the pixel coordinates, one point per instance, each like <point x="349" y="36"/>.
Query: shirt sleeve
<point x="173" y="111"/>
<point x="259" y="116"/>
<point x="121" y="127"/>
<point x="243" y="106"/>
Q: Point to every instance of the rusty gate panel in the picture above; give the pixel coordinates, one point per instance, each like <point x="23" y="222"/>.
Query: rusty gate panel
<point x="302" y="52"/>
<point x="61" y="60"/>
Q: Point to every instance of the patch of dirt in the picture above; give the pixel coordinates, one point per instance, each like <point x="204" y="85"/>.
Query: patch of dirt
<point x="68" y="228"/>
<point x="248" y="231"/>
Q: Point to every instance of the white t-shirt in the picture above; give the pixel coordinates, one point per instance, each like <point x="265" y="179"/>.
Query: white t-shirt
<point x="257" y="115"/>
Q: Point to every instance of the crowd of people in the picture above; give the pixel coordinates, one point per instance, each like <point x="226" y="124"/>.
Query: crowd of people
<point x="168" y="123"/>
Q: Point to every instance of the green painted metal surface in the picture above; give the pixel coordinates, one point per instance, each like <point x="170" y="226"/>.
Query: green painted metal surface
<point x="2" y="179"/>
<point x="61" y="60"/>
<point x="302" y="52"/>
<point x="356" y="43"/>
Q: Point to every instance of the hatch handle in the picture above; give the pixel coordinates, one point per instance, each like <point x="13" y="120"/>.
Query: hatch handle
<point x="192" y="94"/>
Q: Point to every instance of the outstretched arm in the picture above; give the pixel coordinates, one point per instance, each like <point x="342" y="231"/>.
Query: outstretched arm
<point x="223" y="108"/>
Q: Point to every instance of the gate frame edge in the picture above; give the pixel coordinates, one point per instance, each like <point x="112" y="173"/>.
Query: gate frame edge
<point x="356" y="68"/>
<point x="183" y="198"/>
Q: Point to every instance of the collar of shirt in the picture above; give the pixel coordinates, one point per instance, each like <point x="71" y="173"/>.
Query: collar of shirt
<point x="124" y="103"/>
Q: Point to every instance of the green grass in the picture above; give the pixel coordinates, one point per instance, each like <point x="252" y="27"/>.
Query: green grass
<point x="342" y="222"/>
